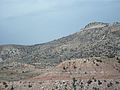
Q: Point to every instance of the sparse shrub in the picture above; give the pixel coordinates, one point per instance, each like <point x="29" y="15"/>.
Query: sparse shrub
<point x="116" y="82"/>
<point x="118" y="58"/>
<point x="94" y="79"/>
<point x="98" y="60"/>
<point x="64" y="68"/>
<point x="5" y="84"/>
<point x="105" y="81"/>
<point x="84" y="61"/>
<point x="109" y="84"/>
<point x="74" y="83"/>
<point x="93" y="62"/>
<point x="23" y="71"/>
<point x="74" y="67"/>
<point x="94" y="88"/>
<point x="40" y="82"/>
<point x="56" y="87"/>
<point x="99" y="83"/>
<point x="110" y="55"/>
<point x="118" y="61"/>
<point x="63" y="82"/>
<point x="82" y="86"/>
<point x="97" y="64"/>
<point x="66" y="87"/>
<point x="12" y="88"/>
<point x="89" y="82"/>
<point x="85" y="72"/>
<point x="29" y="85"/>
<point x="11" y="73"/>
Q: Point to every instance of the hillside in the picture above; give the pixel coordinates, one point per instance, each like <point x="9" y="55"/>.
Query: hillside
<point x="86" y="60"/>
<point x="97" y="39"/>
<point x="78" y="74"/>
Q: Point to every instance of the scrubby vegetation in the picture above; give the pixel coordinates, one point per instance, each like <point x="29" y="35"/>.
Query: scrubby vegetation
<point x="86" y="60"/>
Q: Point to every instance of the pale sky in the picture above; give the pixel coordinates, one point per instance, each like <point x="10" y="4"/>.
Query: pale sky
<point x="38" y="21"/>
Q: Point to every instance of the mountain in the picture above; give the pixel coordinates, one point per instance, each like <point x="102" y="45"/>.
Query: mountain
<point x="85" y="60"/>
<point x="97" y="39"/>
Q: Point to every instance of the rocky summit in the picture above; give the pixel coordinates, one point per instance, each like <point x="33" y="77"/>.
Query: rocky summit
<point x="85" y="60"/>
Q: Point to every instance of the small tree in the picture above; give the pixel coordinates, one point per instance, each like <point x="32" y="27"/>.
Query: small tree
<point x="74" y="83"/>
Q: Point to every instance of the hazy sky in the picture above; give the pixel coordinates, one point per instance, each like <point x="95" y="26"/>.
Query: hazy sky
<point x="38" y="21"/>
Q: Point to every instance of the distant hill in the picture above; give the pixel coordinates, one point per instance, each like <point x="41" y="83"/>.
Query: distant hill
<point x="96" y="39"/>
